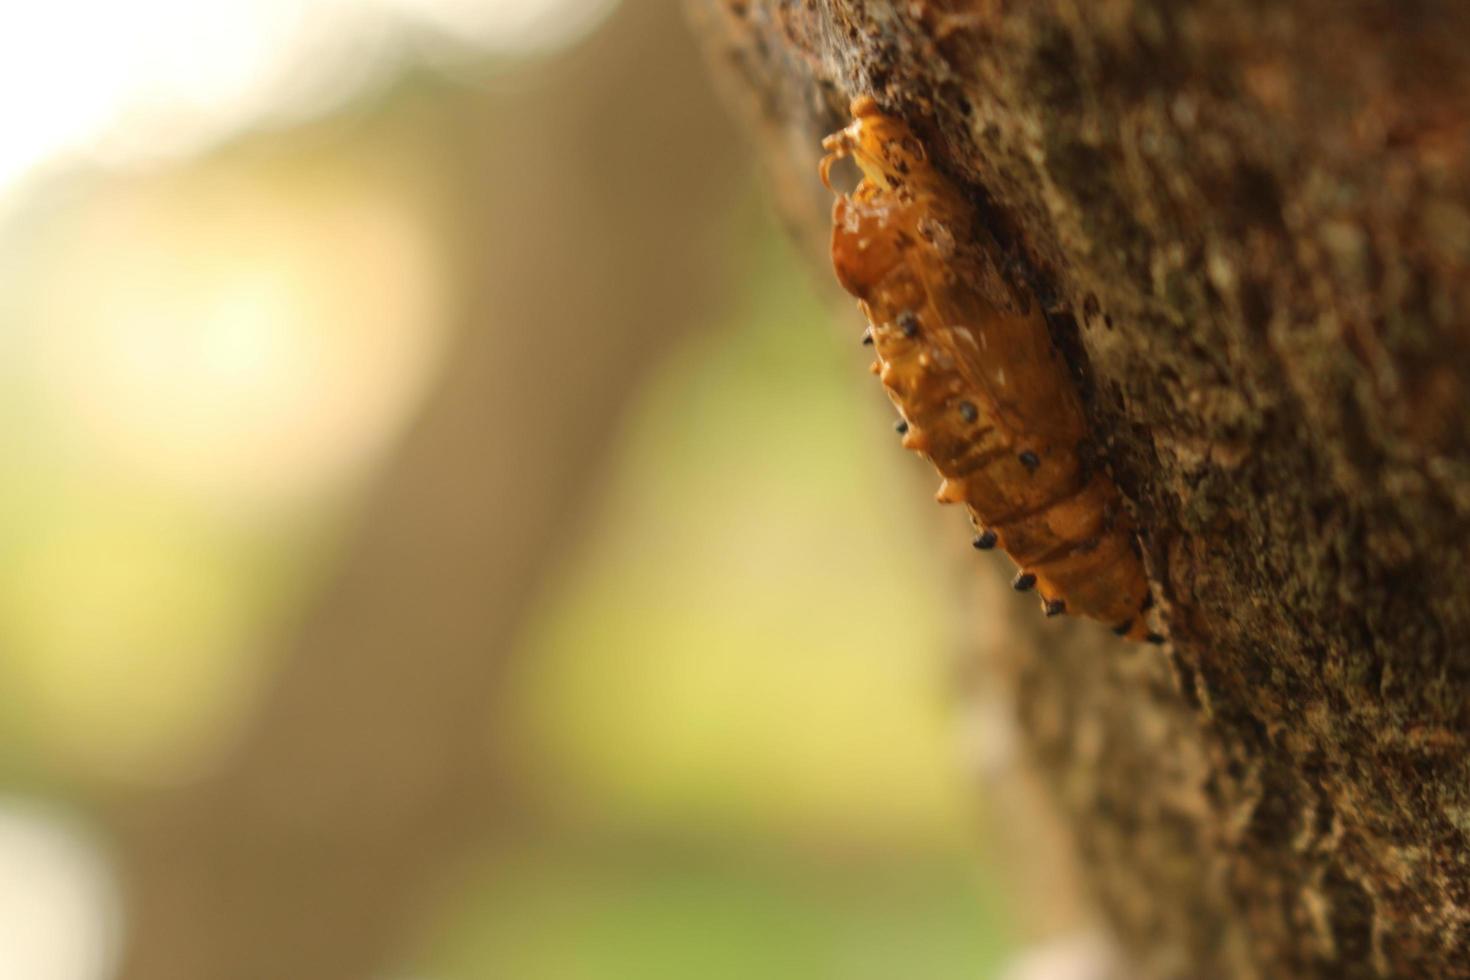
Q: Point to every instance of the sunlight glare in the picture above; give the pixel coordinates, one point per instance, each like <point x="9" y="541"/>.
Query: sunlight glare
<point x="59" y="915"/>
<point x="128" y="83"/>
<point x="238" y="342"/>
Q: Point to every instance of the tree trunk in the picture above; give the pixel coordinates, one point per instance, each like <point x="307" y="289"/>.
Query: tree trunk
<point x="1252" y="225"/>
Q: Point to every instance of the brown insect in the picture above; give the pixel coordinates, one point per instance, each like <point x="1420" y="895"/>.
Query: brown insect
<point x="983" y="392"/>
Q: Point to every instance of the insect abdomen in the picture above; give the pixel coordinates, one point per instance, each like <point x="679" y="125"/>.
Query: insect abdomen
<point x="983" y="392"/>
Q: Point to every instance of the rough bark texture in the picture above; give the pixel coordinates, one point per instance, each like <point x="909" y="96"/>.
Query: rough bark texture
<point x="1253" y="224"/>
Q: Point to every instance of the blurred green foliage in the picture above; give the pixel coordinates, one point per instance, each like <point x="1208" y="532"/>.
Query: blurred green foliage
<point x="734" y="700"/>
<point x="624" y="914"/>
<point x="729" y="713"/>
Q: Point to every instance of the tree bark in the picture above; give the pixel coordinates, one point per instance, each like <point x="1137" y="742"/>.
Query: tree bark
<point x="1251" y="223"/>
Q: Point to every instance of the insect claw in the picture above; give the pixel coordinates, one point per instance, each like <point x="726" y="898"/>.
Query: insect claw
<point x="1122" y="628"/>
<point x="836" y="149"/>
<point x="1054" y="607"/>
<point x="985" y="540"/>
<point x="1023" y="582"/>
<point x="901" y="426"/>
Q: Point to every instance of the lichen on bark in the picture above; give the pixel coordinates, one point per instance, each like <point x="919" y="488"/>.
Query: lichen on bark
<point x="1251" y="222"/>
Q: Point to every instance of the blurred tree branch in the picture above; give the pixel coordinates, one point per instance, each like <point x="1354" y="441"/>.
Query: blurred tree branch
<point x="1256" y="221"/>
<point x="594" y="240"/>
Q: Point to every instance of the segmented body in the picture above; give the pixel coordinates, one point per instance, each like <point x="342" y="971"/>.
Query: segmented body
<point x="981" y="387"/>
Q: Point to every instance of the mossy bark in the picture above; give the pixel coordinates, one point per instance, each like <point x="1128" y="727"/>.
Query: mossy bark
<point x="1252" y="224"/>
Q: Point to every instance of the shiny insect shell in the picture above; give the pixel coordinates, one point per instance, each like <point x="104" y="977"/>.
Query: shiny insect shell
<point x="983" y="392"/>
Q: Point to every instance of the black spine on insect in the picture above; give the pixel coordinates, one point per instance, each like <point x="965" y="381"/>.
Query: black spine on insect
<point x="981" y="370"/>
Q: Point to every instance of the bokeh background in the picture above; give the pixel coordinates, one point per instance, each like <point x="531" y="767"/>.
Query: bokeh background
<point x="447" y="532"/>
